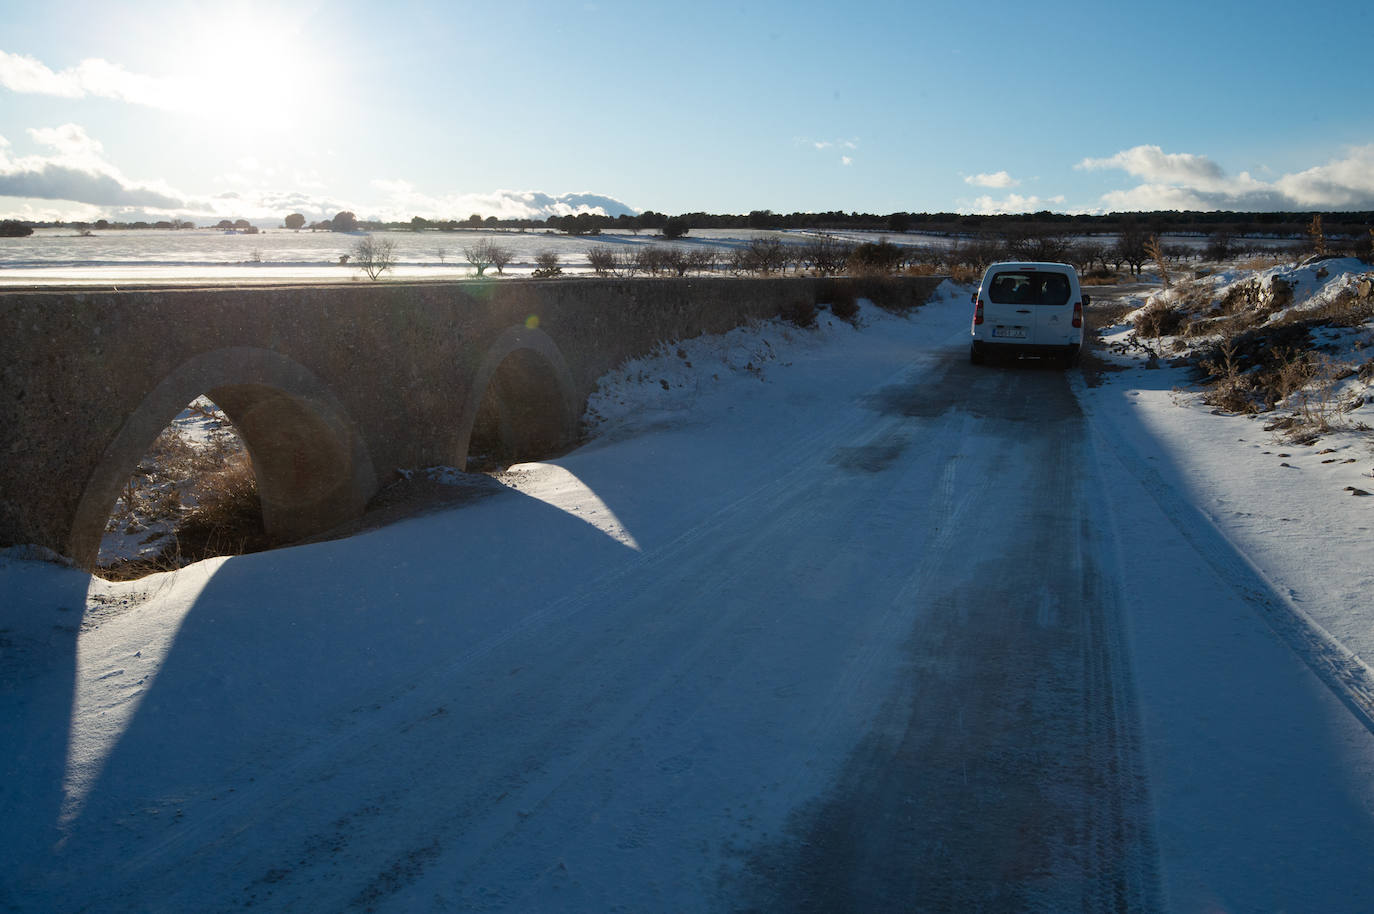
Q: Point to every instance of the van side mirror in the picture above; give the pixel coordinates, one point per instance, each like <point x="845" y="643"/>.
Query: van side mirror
<point x="1086" y="301"/>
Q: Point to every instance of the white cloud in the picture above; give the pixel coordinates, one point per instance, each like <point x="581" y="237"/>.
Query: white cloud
<point x="846" y="160"/>
<point x="823" y="145"/>
<point x="403" y="201"/>
<point x="996" y="179"/>
<point x="77" y="171"/>
<point x="72" y="180"/>
<point x="1185" y="181"/>
<point x="1014" y="204"/>
<point x="91" y="77"/>
<point x="1155" y="165"/>
<point x="1347" y="183"/>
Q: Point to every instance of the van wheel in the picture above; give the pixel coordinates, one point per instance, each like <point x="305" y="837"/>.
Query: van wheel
<point x="975" y="355"/>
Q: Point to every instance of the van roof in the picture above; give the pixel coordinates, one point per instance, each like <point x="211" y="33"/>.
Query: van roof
<point x="1033" y="265"/>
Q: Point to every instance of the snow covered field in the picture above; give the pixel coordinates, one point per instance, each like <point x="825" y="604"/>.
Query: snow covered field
<point x="818" y="620"/>
<point x="126" y="256"/>
<point x="63" y="257"/>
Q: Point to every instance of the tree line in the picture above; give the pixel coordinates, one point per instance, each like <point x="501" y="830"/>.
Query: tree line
<point x="1237" y="224"/>
<point x="1278" y="224"/>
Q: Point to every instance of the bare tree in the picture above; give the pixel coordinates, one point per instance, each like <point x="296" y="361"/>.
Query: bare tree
<point x="374" y="256"/>
<point x="441" y="252"/>
<point x="1130" y="249"/>
<point x="602" y="260"/>
<point x="761" y="255"/>
<point x="627" y="263"/>
<point x="500" y="256"/>
<point x="650" y="259"/>
<point x="479" y="255"/>
<point x="703" y="260"/>
<point x="1087" y="254"/>
<point x="675" y="261"/>
<point x="826" y="255"/>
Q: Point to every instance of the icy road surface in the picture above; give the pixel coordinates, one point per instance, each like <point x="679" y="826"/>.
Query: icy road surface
<point x="863" y="627"/>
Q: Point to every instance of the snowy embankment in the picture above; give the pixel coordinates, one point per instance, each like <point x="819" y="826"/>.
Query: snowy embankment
<point x="1288" y="485"/>
<point x="619" y="678"/>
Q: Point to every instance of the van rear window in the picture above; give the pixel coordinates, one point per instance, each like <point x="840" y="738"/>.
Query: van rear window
<point x="1014" y="287"/>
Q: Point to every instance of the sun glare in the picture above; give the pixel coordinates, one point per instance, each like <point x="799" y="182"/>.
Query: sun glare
<point x="253" y="72"/>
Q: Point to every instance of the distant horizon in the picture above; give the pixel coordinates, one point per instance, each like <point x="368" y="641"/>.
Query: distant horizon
<point x="162" y="109"/>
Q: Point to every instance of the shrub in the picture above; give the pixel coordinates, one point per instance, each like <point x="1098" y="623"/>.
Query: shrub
<point x="675" y="261"/>
<point x="703" y="260"/>
<point x="761" y="255"/>
<point x="13" y="228"/>
<point x="602" y="260"/>
<point x="675" y="227"/>
<point x="651" y="259"/>
<point x="843" y="304"/>
<point x="1228" y="389"/>
<point x="1265" y="364"/>
<point x="546" y="265"/>
<point x="800" y="312"/>
<point x="627" y="263"/>
<point x="1218" y="247"/>
<point x="1158" y="319"/>
<point x="227" y="516"/>
<point x="886" y="292"/>
<point x="876" y="257"/>
<point x="826" y="255"/>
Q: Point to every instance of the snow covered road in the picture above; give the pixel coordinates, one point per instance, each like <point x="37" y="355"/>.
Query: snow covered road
<point x="859" y="627"/>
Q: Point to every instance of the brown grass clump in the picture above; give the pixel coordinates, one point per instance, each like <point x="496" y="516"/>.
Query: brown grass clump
<point x="844" y="304"/>
<point x="193" y="501"/>
<point x="1159" y="319"/>
<point x="227" y="516"/>
<point x="800" y="312"/>
<point x="1260" y="262"/>
<point x="1255" y="370"/>
<point x="963" y="273"/>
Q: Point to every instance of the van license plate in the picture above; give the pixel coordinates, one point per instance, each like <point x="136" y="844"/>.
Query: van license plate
<point x="1017" y="333"/>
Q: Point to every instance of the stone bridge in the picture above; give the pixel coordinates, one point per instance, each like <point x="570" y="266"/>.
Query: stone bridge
<point x="332" y="387"/>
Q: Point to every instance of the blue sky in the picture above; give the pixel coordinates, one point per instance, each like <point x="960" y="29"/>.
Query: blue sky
<point x="253" y="109"/>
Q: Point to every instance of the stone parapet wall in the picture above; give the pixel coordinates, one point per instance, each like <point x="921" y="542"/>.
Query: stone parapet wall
<point x="386" y="368"/>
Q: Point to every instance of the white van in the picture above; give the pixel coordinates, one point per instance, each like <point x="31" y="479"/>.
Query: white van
<point x="1028" y="309"/>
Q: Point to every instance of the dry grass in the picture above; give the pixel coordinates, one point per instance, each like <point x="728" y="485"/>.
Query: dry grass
<point x="1254" y="353"/>
<point x="1261" y="262"/>
<point x="963" y="273"/>
<point x="1160" y="318"/>
<point x="1101" y="277"/>
<point x="193" y="500"/>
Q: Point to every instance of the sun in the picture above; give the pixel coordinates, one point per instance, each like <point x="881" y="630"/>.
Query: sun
<point x="253" y="71"/>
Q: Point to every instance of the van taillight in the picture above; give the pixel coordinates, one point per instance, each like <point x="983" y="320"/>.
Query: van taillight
<point x="978" y="313"/>
<point x="1078" y="314"/>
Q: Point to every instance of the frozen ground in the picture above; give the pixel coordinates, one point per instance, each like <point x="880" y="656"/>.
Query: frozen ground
<point x="818" y="621"/>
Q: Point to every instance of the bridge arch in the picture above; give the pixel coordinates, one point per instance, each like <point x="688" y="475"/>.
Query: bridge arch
<point x="522" y="401"/>
<point x="312" y="466"/>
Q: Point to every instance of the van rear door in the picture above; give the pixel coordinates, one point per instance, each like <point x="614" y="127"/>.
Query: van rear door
<point x="1031" y="306"/>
